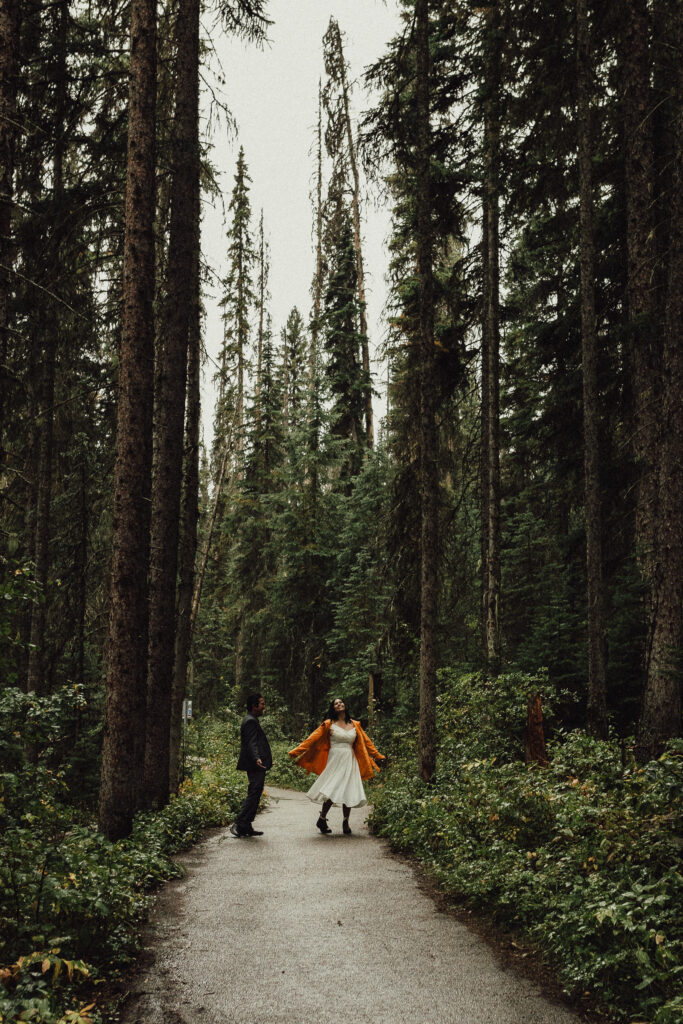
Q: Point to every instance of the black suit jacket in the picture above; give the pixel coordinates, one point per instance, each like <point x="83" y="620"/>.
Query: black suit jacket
<point x="254" y="745"/>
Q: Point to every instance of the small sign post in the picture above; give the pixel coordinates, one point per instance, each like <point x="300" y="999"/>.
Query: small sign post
<point x="187" y="715"/>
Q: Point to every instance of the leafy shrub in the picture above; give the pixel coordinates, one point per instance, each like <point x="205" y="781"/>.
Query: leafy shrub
<point x="582" y="857"/>
<point x="67" y="895"/>
<point x="215" y="740"/>
<point x="285" y="772"/>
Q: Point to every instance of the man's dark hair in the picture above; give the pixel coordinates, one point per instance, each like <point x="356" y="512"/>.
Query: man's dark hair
<point x="333" y="714"/>
<point x="252" y="700"/>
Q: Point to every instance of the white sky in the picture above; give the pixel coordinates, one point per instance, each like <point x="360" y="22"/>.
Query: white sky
<point x="272" y="94"/>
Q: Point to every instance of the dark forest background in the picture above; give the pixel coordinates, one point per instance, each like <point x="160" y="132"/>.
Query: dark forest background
<point x="518" y="506"/>
<point x="516" y="515"/>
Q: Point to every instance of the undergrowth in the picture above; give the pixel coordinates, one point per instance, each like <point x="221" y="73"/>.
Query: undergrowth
<point x="71" y="902"/>
<point x="583" y="857"/>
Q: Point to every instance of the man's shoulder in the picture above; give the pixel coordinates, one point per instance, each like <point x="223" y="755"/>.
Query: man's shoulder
<point x="247" y="719"/>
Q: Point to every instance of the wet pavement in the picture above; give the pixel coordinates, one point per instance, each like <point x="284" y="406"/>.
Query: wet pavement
<point x="295" y="927"/>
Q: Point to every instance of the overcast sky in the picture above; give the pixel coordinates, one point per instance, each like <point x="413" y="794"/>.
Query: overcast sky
<point x="272" y="95"/>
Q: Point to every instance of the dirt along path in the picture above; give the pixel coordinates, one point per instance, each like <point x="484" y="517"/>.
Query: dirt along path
<point x="296" y="927"/>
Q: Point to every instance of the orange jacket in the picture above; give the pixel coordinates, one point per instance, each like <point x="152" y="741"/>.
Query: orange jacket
<point x="312" y="753"/>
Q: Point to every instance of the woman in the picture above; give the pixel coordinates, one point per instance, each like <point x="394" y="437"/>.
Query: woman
<point x="341" y="754"/>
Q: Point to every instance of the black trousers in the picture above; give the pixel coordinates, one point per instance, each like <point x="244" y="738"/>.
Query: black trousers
<point x="257" y="778"/>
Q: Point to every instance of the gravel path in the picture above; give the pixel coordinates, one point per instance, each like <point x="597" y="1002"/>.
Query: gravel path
<point x="296" y="927"/>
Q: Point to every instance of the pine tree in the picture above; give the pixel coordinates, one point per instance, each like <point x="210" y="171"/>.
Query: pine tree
<point x="317" y="283"/>
<point x="341" y="337"/>
<point x="661" y="711"/>
<point x="126" y="672"/>
<point x="597" y="683"/>
<point x="428" y="432"/>
<point x="413" y="126"/>
<point x="9" y="49"/>
<point x="644" y="352"/>
<point x="295" y="384"/>
<point x="238" y="305"/>
<point x="170" y="388"/>
<point x="341" y="147"/>
<point x="490" y="347"/>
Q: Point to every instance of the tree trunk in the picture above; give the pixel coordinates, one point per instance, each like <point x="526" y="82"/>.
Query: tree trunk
<point x="81" y="572"/>
<point x="241" y="344"/>
<point x="645" y="355"/>
<point x="491" y="348"/>
<point x="189" y="509"/>
<point x="41" y="546"/>
<point x="123" y="747"/>
<point x="37" y="650"/>
<point x="9" y="47"/>
<point x="171" y="379"/>
<point x="534" y="739"/>
<point x="597" y="687"/>
<point x="485" y="495"/>
<point x="661" y="710"/>
<point x="429" y="482"/>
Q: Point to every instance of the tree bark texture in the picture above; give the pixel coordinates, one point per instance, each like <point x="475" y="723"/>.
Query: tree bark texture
<point x="491" y="570"/>
<point x="37" y="682"/>
<point x="597" y="687"/>
<point x="644" y="347"/>
<point x="534" y="739"/>
<point x="37" y="661"/>
<point x="189" y="509"/>
<point x="9" y="47"/>
<point x="81" y="571"/>
<point x="429" y="480"/>
<point x="485" y="494"/>
<point x="171" y="374"/>
<point x="123" y="747"/>
<point x="661" y="710"/>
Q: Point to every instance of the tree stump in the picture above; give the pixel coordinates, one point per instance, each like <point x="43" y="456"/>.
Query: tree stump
<point x="534" y="740"/>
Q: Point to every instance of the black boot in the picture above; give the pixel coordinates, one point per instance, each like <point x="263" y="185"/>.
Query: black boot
<point x="346" y="828"/>
<point x="321" y="823"/>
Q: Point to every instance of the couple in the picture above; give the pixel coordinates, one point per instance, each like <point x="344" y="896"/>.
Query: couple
<point x="339" y="752"/>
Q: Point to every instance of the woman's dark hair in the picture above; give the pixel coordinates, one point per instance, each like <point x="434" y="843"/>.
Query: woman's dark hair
<point x="332" y="714"/>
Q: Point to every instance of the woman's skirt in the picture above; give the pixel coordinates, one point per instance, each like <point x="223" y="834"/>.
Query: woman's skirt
<point x="340" y="779"/>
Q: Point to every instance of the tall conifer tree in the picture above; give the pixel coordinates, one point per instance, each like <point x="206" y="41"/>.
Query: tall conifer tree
<point x="597" y="684"/>
<point x="490" y="351"/>
<point x="341" y="147"/>
<point x="170" y="388"/>
<point x="122" y="753"/>
<point x="341" y="334"/>
<point x="429" y="482"/>
<point x="238" y="304"/>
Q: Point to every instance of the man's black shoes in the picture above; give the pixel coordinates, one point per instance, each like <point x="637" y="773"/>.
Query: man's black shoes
<point x="240" y="833"/>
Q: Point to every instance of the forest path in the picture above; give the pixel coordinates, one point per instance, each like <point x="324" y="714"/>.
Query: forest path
<point x="295" y="926"/>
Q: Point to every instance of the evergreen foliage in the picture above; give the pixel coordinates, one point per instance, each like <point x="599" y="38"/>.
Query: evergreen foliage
<point x="580" y="860"/>
<point x="309" y="579"/>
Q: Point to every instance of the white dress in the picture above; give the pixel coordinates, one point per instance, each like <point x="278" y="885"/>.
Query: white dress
<point x="340" y="779"/>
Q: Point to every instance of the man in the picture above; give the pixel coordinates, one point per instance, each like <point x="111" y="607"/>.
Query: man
<point x="255" y="759"/>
